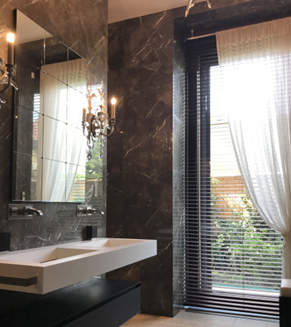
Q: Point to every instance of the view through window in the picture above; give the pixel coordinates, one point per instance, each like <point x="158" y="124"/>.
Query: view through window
<point x="246" y="253"/>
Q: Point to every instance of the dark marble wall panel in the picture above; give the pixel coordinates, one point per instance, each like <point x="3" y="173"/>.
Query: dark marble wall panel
<point x="81" y="25"/>
<point x="241" y="14"/>
<point x="145" y="159"/>
<point x="140" y="153"/>
<point x="179" y="155"/>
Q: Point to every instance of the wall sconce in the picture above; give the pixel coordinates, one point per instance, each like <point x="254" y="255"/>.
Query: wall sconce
<point x="96" y="124"/>
<point x="6" y="75"/>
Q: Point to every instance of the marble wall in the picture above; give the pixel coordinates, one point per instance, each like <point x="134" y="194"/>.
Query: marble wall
<point x="179" y="159"/>
<point x="82" y="26"/>
<point x="144" y="158"/>
<point x="140" y="166"/>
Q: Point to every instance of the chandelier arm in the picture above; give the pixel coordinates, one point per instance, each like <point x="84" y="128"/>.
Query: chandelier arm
<point x="7" y="85"/>
<point x="111" y="125"/>
<point x="191" y="4"/>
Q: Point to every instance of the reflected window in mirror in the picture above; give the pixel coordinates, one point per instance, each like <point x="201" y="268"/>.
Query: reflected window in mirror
<point x="49" y="150"/>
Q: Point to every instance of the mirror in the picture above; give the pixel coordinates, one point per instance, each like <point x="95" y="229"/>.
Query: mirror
<point x="49" y="150"/>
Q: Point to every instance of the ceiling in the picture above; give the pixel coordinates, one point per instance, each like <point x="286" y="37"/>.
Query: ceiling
<point x="126" y="9"/>
<point x="27" y="30"/>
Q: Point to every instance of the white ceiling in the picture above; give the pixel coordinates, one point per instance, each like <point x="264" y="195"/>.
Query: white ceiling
<point x="27" y="30"/>
<point x="125" y="9"/>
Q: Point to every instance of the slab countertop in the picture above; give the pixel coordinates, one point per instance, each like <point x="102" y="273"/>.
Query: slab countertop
<point x="44" y="270"/>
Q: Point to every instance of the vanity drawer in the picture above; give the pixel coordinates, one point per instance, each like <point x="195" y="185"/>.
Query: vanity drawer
<point x="98" y="302"/>
<point x="112" y="314"/>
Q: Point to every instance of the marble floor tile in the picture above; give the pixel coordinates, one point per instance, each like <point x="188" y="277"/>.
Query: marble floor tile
<point x="194" y="319"/>
<point x="272" y="324"/>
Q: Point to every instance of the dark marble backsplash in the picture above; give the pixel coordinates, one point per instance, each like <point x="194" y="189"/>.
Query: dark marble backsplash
<point x="82" y="26"/>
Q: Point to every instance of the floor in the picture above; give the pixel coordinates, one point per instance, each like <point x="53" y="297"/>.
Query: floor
<point x="196" y="320"/>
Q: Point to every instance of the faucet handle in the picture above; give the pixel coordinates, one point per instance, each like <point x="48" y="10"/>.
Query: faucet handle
<point x="86" y="210"/>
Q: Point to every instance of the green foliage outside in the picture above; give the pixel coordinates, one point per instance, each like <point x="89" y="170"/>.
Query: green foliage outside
<point x="92" y="171"/>
<point x="94" y="166"/>
<point x="245" y="251"/>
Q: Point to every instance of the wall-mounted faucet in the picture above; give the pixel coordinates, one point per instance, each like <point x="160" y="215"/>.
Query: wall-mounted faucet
<point x="86" y="210"/>
<point x="20" y="211"/>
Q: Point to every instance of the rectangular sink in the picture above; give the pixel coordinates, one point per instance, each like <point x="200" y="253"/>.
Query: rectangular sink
<point x="44" y="254"/>
<point x="43" y="270"/>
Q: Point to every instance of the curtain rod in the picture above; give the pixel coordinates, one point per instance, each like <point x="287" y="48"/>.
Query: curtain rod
<point x="199" y="37"/>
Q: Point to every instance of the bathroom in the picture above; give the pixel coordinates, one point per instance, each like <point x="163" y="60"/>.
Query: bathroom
<point x="135" y="181"/>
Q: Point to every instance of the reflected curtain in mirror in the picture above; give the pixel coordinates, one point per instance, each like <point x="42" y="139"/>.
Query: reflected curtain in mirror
<point x="61" y="142"/>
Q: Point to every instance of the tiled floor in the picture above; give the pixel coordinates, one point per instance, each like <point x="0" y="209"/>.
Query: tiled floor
<point x="184" y="319"/>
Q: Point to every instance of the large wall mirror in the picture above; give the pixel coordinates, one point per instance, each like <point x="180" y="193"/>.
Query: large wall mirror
<point x="50" y="162"/>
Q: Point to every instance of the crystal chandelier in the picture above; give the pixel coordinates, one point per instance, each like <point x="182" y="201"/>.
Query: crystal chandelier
<point x="98" y="124"/>
<point x="192" y="3"/>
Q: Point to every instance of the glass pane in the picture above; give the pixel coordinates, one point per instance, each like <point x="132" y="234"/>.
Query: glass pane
<point x="29" y="43"/>
<point x="77" y="72"/>
<point x="53" y="181"/>
<point x="29" y="79"/>
<point x="76" y="103"/>
<point x="53" y="97"/>
<point x="28" y="177"/>
<point x="56" y="57"/>
<point x="54" y="139"/>
<point x="75" y="183"/>
<point x="29" y="123"/>
<point x="76" y="146"/>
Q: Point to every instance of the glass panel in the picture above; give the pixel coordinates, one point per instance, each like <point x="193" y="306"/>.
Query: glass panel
<point x="56" y="57"/>
<point x="76" y="146"/>
<point x="29" y="79"/>
<point x="77" y="72"/>
<point x="76" y="103"/>
<point x="53" y="181"/>
<point x="27" y="177"/>
<point x="54" y="139"/>
<point x="53" y="96"/>
<point x="29" y="43"/>
<point x="75" y="183"/>
<point x="29" y="126"/>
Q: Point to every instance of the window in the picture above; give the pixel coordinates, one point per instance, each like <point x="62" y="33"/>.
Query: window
<point x="233" y="259"/>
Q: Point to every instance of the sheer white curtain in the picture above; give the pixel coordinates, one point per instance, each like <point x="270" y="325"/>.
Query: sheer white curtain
<point x="255" y="64"/>
<point x="62" y="136"/>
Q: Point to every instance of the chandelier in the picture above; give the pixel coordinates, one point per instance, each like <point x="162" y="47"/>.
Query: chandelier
<point x="97" y="123"/>
<point x="192" y="3"/>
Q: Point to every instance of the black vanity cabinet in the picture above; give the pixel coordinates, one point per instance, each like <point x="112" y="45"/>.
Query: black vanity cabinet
<point x="95" y="303"/>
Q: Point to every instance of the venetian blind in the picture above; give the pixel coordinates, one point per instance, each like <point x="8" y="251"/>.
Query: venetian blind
<point x="233" y="259"/>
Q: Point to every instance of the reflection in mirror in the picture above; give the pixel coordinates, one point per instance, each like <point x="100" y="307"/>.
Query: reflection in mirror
<point x="49" y="146"/>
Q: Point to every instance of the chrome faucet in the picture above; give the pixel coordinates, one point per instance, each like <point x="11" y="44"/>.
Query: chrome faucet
<point x="87" y="210"/>
<point x="20" y="211"/>
<point x="30" y="211"/>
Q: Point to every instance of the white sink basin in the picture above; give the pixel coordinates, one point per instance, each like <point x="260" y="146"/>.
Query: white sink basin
<point x="43" y="270"/>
